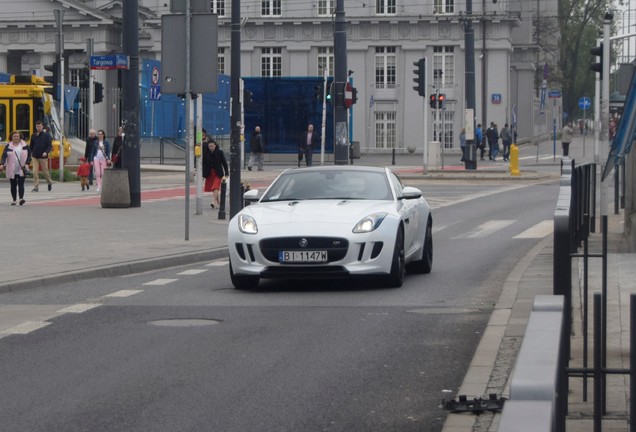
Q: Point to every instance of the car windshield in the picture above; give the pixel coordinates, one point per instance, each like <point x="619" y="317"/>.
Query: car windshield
<point x="330" y="184"/>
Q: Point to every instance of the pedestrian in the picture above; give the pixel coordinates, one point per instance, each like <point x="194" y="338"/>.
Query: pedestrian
<point x="256" y="149"/>
<point x="16" y="156"/>
<point x="101" y="157"/>
<point x="479" y="140"/>
<point x="506" y="140"/>
<point x="89" y="151"/>
<point x="83" y="171"/>
<point x="462" y="144"/>
<point x="41" y="145"/>
<point x="215" y="170"/>
<point x="309" y="140"/>
<point x="118" y="144"/>
<point x="566" y="138"/>
<point x="492" y="135"/>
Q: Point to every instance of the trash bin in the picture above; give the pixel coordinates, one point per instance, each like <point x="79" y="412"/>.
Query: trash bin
<point x="355" y="149"/>
<point x="115" y="188"/>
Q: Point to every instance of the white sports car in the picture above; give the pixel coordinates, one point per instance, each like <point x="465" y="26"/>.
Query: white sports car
<point x="331" y="222"/>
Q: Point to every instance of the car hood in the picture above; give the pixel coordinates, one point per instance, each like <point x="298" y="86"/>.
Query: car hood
<point x="317" y="211"/>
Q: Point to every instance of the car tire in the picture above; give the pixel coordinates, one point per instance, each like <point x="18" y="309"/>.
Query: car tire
<point x="425" y="264"/>
<point x="398" y="267"/>
<point x="243" y="282"/>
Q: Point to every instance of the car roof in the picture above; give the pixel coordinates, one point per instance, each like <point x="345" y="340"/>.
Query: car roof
<point x="340" y="168"/>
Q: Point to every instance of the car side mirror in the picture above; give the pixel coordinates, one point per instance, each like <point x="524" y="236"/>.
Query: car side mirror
<point x="410" y="192"/>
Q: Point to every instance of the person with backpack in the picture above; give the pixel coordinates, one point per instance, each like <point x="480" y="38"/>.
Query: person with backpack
<point x="492" y="135"/>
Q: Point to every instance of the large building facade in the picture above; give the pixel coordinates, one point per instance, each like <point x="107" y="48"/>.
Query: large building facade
<point x="282" y="38"/>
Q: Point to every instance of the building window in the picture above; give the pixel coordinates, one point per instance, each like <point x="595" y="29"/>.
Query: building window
<point x="444" y="6"/>
<point x="271" y="62"/>
<point x="385" y="130"/>
<point x="325" y="7"/>
<point x="270" y="8"/>
<point x="385" y="60"/>
<point x="443" y="66"/>
<point x="444" y="132"/>
<point x="221" y="60"/>
<point x="385" y="7"/>
<point x="217" y="7"/>
<point x="75" y="77"/>
<point x="325" y="60"/>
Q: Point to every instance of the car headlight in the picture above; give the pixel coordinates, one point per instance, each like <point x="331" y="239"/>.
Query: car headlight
<point x="369" y="223"/>
<point x="247" y="224"/>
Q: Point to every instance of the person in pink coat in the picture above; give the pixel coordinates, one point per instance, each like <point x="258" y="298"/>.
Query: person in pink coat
<point x="15" y="159"/>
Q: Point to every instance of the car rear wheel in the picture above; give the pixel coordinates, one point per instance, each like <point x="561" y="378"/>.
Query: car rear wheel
<point x="243" y="282"/>
<point x="425" y="264"/>
<point x="398" y="268"/>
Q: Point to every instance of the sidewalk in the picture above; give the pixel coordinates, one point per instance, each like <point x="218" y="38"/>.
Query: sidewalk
<point x="64" y="235"/>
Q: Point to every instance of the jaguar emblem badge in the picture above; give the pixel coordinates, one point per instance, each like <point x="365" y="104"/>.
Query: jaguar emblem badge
<point x="303" y="243"/>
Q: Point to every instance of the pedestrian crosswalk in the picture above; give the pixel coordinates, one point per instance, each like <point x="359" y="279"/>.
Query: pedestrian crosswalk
<point x="492" y="227"/>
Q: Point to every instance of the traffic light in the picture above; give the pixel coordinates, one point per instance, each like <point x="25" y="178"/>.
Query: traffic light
<point x="598" y="67"/>
<point x="420" y="77"/>
<point x="84" y="78"/>
<point x="330" y="93"/>
<point x="318" y="92"/>
<point x="54" y="80"/>
<point x="98" y="94"/>
<point x="441" y="100"/>
<point x="433" y="100"/>
<point x="354" y="95"/>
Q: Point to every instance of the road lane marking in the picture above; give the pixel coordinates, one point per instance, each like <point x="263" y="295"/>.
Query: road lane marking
<point x="79" y="308"/>
<point x="124" y="293"/>
<point x="26" y="327"/>
<point x="192" y="272"/>
<point x="540" y="230"/>
<point x="217" y="263"/>
<point x="161" y="281"/>
<point x="486" y="229"/>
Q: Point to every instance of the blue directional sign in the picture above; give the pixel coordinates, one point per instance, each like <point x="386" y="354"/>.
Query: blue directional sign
<point x="584" y="102"/>
<point x="554" y="94"/>
<point x="106" y="62"/>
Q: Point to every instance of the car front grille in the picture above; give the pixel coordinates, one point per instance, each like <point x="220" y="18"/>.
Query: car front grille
<point x="336" y="247"/>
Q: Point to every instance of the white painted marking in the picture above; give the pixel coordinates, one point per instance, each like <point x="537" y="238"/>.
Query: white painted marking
<point x="124" y="293"/>
<point x="486" y="229"/>
<point x="217" y="263"/>
<point x="79" y="308"/>
<point x="540" y="230"/>
<point x="161" y="281"/>
<point x="192" y="272"/>
<point x="26" y="327"/>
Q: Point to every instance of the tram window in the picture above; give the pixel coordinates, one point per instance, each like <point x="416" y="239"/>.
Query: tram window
<point x="3" y="122"/>
<point x="23" y="119"/>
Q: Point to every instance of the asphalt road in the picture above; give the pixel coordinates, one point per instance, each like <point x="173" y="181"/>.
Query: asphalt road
<point x="181" y="350"/>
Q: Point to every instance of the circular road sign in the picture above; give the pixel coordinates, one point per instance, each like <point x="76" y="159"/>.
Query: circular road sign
<point x="155" y="75"/>
<point x="584" y="102"/>
<point x="348" y="95"/>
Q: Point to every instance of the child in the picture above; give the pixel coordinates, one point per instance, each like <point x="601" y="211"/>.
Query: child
<point x="83" y="171"/>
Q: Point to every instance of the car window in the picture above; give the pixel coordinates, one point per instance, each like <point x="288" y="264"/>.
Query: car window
<point x="330" y="184"/>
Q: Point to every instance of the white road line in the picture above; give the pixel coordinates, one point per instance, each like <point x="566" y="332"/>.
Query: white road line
<point x="79" y="308"/>
<point x="540" y="230"/>
<point x="486" y="229"/>
<point x="161" y="281"/>
<point x="26" y="327"/>
<point x="192" y="272"/>
<point x="124" y="293"/>
<point x="219" y="263"/>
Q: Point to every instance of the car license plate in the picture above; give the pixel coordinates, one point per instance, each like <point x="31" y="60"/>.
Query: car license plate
<point x="302" y="256"/>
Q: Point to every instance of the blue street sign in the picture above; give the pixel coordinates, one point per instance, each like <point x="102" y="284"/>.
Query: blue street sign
<point x="584" y="102"/>
<point x="554" y="94"/>
<point x="106" y="62"/>
<point x="155" y="92"/>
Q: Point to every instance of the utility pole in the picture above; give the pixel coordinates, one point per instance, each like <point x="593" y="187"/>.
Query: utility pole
<point x="91" y="80"/>
<point x="189" y="119"/>
<point x="131" y="154"/>
<point x="469" y="55"/>
<point x="235" y="117"/>
<point x="341" y="135"/>
<point x="59" y="20"/>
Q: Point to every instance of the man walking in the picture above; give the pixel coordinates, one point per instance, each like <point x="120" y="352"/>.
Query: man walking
<point x="479" y="141"/>
<point x="492" y="135"/>
<point x="41" y="146"/>
<point x="256" y="150"/>
<point x="308" y="141"/>
<point x="506" y="139"/>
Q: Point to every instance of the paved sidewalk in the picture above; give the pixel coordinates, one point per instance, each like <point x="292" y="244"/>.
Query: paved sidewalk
<point x="65" y="235"/>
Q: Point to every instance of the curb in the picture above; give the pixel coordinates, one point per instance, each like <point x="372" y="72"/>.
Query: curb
<point x="117" y="269"/>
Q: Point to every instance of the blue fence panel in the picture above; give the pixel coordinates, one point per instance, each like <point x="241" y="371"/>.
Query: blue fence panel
<point x="283" y="107"/>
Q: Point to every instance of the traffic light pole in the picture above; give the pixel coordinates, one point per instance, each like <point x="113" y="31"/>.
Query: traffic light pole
<point x="59" y="19"/>
<point x="470" y="152"/>
<point x="341" y="135"/>
<point x="91" y="80"/>
<point x="323" y="126"/>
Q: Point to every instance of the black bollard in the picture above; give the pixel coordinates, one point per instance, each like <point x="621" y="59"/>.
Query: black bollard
<point x="393" y="159"/>
<point x="222" y="200"/>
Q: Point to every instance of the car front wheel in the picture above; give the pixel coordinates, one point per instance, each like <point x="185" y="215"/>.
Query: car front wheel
<point x="425" y="264"/>
<point x="398" y="268"/>
<point x="243" y="282"/>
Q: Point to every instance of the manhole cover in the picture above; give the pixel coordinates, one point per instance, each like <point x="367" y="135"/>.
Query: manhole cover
<point x="185" y="322"/>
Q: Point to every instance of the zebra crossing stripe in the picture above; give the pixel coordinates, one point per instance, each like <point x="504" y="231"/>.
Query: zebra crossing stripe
<point x="486" y="229"/>
<point x="540" y="230"/>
